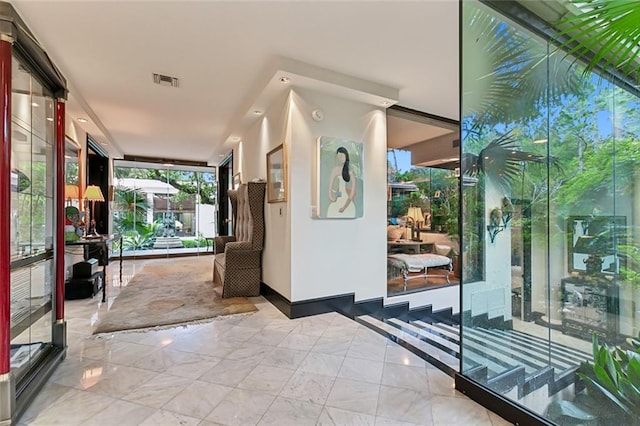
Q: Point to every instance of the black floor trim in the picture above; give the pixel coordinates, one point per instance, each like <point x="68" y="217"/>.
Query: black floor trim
<point x="505" y="408"/>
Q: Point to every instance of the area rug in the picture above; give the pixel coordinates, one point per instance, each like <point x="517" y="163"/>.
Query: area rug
<point x="170" y="292"/>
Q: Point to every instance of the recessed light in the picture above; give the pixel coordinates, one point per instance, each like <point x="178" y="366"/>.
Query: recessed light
<point x="83" y="120"/>
<point x="221" y="155"/>
<point x="167" y="164"/>
<point x="257" y="112"/>
<point x="386" y="103"/>
<point x="541" y="141"/>
<point x="103" y="143"/>
<point x="235" y="139"/>
<point x="49" y="119"/>
<point x="35" y="104"/>
<point x="284" y="80"/>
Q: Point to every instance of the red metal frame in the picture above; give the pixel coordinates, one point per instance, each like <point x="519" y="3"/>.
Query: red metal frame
<point x="5" y="206"/>
<point x="59" y="203"/>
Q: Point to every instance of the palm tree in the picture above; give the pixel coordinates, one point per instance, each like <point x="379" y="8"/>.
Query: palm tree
<point x="604" y="33"/>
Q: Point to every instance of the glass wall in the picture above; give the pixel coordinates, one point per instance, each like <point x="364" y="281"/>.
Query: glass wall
<point x="162" y="209"/>
<point x="550" y="235"/>
<point x="422" y="204"/>
<point x="32" y="147"/>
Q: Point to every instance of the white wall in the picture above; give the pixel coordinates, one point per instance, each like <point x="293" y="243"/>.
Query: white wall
<point x="331" y="257"/>
<point x="492" y="296"/>
<point x="269" y="131"/>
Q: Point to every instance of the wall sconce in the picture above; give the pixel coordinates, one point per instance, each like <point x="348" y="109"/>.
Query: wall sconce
<point x="496" y="223"/>
<point x="507" y="211"/>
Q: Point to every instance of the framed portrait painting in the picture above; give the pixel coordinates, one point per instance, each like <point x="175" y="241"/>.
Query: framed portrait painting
<point x="277" y="175"/>
<point x="340" y="179"/>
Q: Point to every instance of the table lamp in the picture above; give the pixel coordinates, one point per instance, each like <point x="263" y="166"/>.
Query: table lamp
<point x="93" y="194"/>
<point x="71" y="192"/>
<point x="595" y="248"/>
<point x="416" y="216"/>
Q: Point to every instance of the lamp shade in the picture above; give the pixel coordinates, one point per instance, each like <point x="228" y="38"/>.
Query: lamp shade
<point x="93" y="193"/>
<point x="415" y="213"/>
<point x="71" y="192"/>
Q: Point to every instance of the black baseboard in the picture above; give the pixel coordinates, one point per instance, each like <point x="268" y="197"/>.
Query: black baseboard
<point x="508" y="410"/>
<point x="340" y="303"/>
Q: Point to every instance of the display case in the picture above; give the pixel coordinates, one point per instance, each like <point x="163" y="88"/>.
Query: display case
<point x="32" y="335"/>
<point x="590" y="305"/>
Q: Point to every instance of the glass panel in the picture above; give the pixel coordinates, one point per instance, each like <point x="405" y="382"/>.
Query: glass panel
<point x="164" y="209"/>
<point x="554" y="152"/>
<point x="422" y="204"/>
<point x="32" y="224"/>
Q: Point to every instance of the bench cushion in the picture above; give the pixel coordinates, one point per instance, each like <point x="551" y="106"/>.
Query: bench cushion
<point x="419" y="262"/>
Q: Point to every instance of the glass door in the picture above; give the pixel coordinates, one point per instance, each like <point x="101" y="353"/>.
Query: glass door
<point x="32" y="224"/>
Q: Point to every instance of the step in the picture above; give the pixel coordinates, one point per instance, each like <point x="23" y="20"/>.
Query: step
<point x="440" y="342"/>
<point x="434" y="328"/>
<point x="442" y="360"/>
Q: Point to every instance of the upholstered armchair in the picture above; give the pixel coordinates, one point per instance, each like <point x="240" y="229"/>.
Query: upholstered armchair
<point x="237" y="264"/>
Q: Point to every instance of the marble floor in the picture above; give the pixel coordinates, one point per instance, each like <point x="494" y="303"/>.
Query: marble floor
<point x="259" y="368"/>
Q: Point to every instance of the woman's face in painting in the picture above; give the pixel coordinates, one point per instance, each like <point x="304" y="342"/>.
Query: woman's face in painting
<point x="340" y="158"/>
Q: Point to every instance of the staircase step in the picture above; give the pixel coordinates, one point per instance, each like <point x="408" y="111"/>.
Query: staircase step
<point x="442" y="360"/>
<point x="437" y="340"/>
<point x="434" y="328"/>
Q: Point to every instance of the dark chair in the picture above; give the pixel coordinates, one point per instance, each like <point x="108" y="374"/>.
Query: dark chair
<point x="237" y="264"/>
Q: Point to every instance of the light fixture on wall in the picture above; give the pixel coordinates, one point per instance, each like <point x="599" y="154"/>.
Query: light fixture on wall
<point x="93" y="194"/>
<point x="496" y="224"/>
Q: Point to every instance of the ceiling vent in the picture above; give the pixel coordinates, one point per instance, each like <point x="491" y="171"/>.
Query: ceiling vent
<point x="456" y="143"/>
<point x="165" y="80"/>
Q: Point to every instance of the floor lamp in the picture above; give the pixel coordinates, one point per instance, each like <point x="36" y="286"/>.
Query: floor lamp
<point x="93" y="194"/>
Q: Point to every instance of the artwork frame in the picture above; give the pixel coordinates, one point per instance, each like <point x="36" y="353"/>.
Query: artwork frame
<point x="604" y="234"/>
<point x="339" y="183"/>
<point x="236" y="180"/>
<point x="277" y="175"/>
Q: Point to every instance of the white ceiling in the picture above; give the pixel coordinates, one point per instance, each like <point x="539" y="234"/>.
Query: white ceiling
<point x="220" y="51"/>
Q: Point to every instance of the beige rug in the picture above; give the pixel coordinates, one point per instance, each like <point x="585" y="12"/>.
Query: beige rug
<point x="170" y="292"/>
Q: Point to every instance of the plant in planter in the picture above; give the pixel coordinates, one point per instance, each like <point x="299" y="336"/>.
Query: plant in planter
<point x="612" y="394"/>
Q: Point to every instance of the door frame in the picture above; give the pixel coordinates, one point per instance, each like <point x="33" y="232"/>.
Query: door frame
<point x="225" y="174"/>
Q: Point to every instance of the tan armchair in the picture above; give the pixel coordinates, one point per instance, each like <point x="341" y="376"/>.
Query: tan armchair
<point x="237" y="264"/>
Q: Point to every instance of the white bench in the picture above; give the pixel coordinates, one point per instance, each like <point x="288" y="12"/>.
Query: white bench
<point x="412" y="263"/>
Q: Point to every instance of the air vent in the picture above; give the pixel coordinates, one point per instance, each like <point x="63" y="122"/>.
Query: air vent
<point x="165" y="80"/>
<point x="456" y="143"/>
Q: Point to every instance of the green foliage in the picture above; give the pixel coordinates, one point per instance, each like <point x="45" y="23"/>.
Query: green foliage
<point x="613" y="380"/>
<point x="191" y="243"/>
<point x="605" y="34"/>
<point x="142" y="239"/>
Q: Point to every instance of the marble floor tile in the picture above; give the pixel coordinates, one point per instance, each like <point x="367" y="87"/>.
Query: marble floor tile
<point x="295" y="340"/>
<point x="319" y="363"/>
<point x="308" y="387"/>
<point x="333" y="345"/>
<point x="267" y="379"/>
<point x="331" y="416"/>
<point x="406" y="376"/>
<point x="227" y="372"/>
<point x="255" y="368"/>
<point x="284" y="358"/>
<point x="121" y="413"/>
<point x="122" y="381"/>
<point x="168" y="418"/>
<point x="364" y="349"/>
<point x="398" y="355"/>
<point x="361" y="369"/>
<point x="458" y="412"/>
<point x="405" y="405"/>
<point x="198" y="399"/>
<point x="292" y="412"/>
<point x="355" y="396"/>
<point x="76" y="408"/>
<point x="241" y="407"/>
<point x="158" y="391"/>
